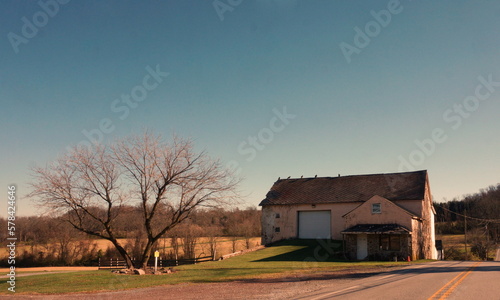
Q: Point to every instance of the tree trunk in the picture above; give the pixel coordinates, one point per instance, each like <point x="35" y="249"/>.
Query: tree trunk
<point x="233" y="243"/>
<point x="247" y="242"/>
<point x="123" y="253"/>
<point x="146" y="254"/>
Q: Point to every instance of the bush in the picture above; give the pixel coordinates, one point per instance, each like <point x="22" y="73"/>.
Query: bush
<point x="480" y="248"/>
<point x="452" y="253"/>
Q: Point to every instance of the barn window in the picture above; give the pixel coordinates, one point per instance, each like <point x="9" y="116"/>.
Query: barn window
<point x="376" y="208"/>
<point x="277" y="215"/>
<point x="390" y="242"/>
<point x="277" y="229"/>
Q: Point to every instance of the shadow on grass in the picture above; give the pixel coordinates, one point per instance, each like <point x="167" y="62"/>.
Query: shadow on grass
<point x="309" y="250"/>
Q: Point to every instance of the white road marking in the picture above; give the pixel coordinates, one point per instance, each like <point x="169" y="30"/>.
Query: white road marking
<point x="387" y="276"/>
<point x="336" y="292"/>
<point x="375" y="281"/>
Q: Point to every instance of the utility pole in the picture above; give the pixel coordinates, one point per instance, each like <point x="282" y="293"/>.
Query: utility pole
<point x="465" y="231"/>
<point x="487" y="241"/>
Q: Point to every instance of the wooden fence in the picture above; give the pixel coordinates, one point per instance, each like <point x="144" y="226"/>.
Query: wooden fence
<point x="115" y="263"/>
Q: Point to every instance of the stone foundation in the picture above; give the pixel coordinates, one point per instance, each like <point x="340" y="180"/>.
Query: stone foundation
<point x="374" y="249"/>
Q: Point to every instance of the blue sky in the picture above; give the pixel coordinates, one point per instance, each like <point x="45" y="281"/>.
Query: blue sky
<point x="234" y="66"/>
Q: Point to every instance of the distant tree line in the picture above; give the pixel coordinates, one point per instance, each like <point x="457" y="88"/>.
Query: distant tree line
<point x="477" y="214"/>
<point x="51" y="241"/>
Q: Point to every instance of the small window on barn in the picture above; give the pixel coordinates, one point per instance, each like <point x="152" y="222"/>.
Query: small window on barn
<point x="384" y="242"/>
<point x="376" y="208"/>
<point x="277" y="229"/>
<point x="277" y="216"/>
<point x="394" y="243"/>
<point x="390" y="242"/>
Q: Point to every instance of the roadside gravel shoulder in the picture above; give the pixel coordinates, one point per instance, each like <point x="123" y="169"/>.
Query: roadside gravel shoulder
<point x="271" y="288"/>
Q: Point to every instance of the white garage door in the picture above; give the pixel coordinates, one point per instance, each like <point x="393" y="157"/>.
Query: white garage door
<point x="314" y="224"/>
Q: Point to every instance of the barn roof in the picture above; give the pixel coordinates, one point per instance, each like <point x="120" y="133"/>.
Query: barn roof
<point x="353" y="188"/>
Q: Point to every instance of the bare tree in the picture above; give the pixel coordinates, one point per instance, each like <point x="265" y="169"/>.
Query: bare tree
<point x="212" y="234"/>
<point x="245" y="224"/>
<point x="175" y="248"/>
<point x="190" y="234"/>
<point x="63" y="240"/>
<point x="167" y="181"/>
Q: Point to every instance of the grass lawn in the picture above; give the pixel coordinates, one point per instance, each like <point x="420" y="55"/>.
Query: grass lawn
<point x="452" y="240"/>
<point x="283" y="259"/>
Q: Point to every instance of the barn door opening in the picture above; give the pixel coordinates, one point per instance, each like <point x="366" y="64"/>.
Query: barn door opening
<point x="314" y="224"/>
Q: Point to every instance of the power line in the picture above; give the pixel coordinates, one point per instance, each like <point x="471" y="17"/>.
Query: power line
<point x="472" y="218"/>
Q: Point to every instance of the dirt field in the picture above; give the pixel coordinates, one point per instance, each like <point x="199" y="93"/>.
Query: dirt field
<point x="224" y="246"/>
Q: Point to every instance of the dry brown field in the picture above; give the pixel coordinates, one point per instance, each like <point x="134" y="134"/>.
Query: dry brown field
<point x="224" y="246"/>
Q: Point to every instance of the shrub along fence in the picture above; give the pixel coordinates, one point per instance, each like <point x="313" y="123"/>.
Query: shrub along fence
<point x="115" y="263"/>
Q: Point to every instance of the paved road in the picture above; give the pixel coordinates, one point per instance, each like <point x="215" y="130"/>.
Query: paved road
<point x="436" y="280"/>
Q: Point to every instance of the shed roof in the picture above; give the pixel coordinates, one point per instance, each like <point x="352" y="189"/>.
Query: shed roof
<point x="377" y="229"/>
<point x="354" y="188"/>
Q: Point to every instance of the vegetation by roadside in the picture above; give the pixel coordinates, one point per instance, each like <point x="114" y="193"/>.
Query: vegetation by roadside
<point x="454" y="248"/>
<point x="478" y="216"/>
<point x="286" y="259"/>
